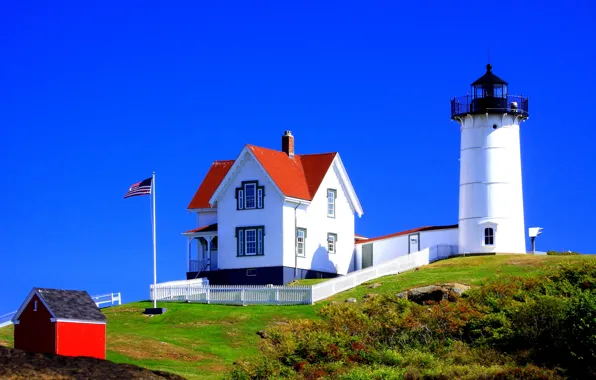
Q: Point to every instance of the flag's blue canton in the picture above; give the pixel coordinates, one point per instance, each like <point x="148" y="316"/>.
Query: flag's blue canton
<point x="139" y="188"/>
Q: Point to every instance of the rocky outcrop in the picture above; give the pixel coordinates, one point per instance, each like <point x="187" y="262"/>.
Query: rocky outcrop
<point x="434" y="293"/>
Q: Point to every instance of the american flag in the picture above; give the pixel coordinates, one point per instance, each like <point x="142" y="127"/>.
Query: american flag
<point x="139" y="188"/>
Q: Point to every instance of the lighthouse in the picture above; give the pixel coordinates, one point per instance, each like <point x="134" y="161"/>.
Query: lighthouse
<point x="491" y="208"/>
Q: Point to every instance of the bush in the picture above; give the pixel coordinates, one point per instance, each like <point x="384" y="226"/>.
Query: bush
<point x="509" y="328"/>
<point x="562" y="253"/>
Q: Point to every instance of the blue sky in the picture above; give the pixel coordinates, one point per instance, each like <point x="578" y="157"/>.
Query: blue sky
<point x="95" y="97"/>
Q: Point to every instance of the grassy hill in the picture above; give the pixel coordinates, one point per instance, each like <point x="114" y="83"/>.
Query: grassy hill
<point x="202" y="341"/>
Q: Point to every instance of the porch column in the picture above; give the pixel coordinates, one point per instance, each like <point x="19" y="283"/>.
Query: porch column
<point x="188" y="243"/>
<point x="208" y="238"/>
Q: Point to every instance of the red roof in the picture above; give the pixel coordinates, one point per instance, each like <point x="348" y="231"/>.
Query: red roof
<point x="208" y="228"/>
<point x="297" y="177"/>
<point x="413" y="230"/>
<point x="214" y="176"/>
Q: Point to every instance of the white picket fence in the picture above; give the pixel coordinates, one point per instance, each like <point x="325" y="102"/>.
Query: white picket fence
<point x="401" y="264"/>
<point x="234" y="295"/>
<point x="200" y="291"/>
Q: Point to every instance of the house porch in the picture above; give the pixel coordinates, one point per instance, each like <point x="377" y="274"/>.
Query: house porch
<point x="201" y="250"/>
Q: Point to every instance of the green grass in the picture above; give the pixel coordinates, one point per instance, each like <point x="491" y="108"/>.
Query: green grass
<point x="202" y="341"/>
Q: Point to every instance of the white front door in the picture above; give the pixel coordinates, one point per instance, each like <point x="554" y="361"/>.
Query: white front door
<point x="414" y="241"/>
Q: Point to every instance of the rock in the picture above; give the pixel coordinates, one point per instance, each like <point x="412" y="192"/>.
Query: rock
<point x="370" y="295"/>
<point x="403" y="294"/>
<point x="456" y="288"/>
<point x="375" y="285"/>
<point x="351" y="300"/>
<point x="428" y="293"/>
<point x="263" y="334"/>
<point x="434" y="293"/>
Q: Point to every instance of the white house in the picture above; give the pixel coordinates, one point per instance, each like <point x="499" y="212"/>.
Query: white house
<point x="269" y="217"/>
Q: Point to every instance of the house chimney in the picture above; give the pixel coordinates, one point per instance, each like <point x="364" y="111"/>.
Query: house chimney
<point x="287" y="144"/>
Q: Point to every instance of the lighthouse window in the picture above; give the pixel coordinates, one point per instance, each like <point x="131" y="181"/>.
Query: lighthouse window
<point x="479" y="92"/>
<point x="489" y="236"/>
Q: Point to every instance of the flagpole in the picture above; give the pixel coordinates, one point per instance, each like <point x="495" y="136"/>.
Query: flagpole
<point x="154" y="246"/>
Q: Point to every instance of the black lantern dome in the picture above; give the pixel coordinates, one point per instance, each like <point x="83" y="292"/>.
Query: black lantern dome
<point x="489" y="95"/>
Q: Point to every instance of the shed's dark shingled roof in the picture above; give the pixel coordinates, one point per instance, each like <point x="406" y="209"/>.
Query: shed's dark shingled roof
<point x="71" y="304"/>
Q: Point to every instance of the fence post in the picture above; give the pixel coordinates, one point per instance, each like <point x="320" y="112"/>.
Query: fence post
<point x="277" y="296"/>
<point x="208" y="293"/>
<point x="112" y="299"/>
<point x="242" y="296"/>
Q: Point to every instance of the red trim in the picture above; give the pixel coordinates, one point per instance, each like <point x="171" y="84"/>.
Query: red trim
<point x="419" y="229"/>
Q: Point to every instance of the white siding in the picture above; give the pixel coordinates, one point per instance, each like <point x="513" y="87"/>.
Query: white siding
<point x="270" y="216"/>
<point x="314" y="218"/>
<point x="394" y="247"/>
<point x="205" y="218"/>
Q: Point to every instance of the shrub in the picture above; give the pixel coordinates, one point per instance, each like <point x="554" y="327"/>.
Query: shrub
<point x="562" y="253"/>
<point x="509" y="328"/>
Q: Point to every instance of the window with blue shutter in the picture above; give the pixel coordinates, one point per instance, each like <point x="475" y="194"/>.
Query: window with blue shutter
<point x="251" y="241"/>
<point x="250" y="196"/>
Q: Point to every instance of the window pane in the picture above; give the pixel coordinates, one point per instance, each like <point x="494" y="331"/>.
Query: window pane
<point x="251" y="242"/>
<point x="249" y="194"/>
<point x="240" y="243"/>
<point x="489" y="236"/>
<point x="260" y="242"/>
<point x="260" y="198"/>
<point x="240" y="199"/>
<point x="331" y="243"/>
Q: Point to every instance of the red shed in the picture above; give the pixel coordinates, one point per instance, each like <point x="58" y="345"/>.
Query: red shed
<point x="63" y="322"/>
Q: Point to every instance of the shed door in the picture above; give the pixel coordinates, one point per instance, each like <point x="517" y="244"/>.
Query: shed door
<point x="367" y="255"/>
<point x="414" y="241"/>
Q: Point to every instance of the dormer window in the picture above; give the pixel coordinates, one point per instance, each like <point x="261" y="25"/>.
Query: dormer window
<point x="331" y="196"/>
<point x="249" y="196"/>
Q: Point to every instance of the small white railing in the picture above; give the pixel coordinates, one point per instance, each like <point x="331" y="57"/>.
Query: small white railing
<point x="6" y="319"/>
<point x="109" y="299"/>
<point x="197" y="265"/>
<point x="233" y="294"/>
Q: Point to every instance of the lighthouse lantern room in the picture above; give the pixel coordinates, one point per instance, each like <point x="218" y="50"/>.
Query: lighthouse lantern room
<point x="491" y="212"/>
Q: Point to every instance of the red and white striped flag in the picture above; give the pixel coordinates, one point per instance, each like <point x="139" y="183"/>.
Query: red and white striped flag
<point x="139" y="188"/>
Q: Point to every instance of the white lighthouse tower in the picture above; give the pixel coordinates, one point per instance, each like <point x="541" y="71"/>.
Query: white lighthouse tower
<point x="491" y="209"/>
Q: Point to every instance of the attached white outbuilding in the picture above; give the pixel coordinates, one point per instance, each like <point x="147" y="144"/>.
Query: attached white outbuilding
<point x="374" y="251"/>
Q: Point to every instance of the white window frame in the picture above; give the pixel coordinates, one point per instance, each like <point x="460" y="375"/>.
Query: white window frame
<point x="331" y="197"/>
<point x="331" y="243"/>
<point x="241" y="241"/>
<point x="246" y="241"/>
<point x="301" y="244"/>
<point x="254" y="187"/>
<point x="35" y="305"/>
<point x="259" y="242"/>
